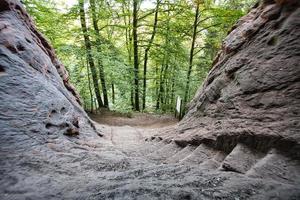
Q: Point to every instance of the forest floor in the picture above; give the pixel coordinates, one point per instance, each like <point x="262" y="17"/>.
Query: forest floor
<point x="140" y="120"/>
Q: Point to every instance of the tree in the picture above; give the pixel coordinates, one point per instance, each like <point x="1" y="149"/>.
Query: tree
<point x="188" y="78"/>
<point x="174" y="52"/>
<point x="98" y="45"/>
<point x="89" y="55"/>
<point x="147" y="52"/>
<point x="135" y="56"/>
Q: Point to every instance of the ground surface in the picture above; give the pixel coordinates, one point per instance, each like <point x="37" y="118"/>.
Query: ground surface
<point x="133" y="119"/>
<point x="127" y="132"/>
<point x="164" y="170"/>
<point x="239" y="139"/>
<point x="130" y="163"/>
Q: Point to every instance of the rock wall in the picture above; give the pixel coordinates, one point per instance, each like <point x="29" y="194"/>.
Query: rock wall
<point x="38" y="103"/>
<point x="239" y="139"/>
<point x="252" y="93"/>
<point x="48" y="145"/>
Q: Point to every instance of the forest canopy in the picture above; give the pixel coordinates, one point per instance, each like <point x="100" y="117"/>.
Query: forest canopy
<point x="136" y="54"/>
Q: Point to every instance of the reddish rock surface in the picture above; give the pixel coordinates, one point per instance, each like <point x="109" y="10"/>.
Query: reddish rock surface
<point x="252" y="93"/>
<point x="239" y="139"/>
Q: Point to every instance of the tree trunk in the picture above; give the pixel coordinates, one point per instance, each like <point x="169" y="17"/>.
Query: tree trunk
<point x="173" y="88"/>
<point x="128" y="40"/>
<point x="135" y="56"/>
<point x="156" y="86"/>
<point x="146" y="54"/>
<point x="100" y="65"/>
<point x="165" y="82"/>
<point x="88" y="48"/>
<point x="90" y="88"/>
<point x="113" y="93"/>
<point x="187" y="88"/>
<point x="165" y="71"/>
<point x="159" y="100"/>
<point x="132" y="98"/>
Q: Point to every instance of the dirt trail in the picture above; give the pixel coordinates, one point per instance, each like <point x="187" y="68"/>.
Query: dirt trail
<point x="125" y="136"/>
<point x="128" y="134"/>
<point x="141" y="120"/>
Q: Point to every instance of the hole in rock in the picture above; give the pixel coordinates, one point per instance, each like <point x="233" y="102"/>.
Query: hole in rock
<point x="185" y="197"/>
<point x="17" y="7"/>
<point x="48" y="125"/>
<point x="273" y="41"/>
<point x="12" y="48"/>
<point x="27" y="40"/>
<point x="20" y="47"/>
<point x="210" y="80"/>
<point x="52" y="113"/>
<point x="2" y="69"/>
<point x="63" y="110"/>
<point x="231" y="76"/>
<point x="71" y="132"/>
<point x="4" y="6"/>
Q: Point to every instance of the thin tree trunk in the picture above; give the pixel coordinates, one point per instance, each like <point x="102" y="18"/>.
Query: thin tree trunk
<point x="156" y="86"/>
<point x="90" y="88"/>
<point x="146" y="54"/>
<point x="95" y="102"/>
<point x="113" y="93"/>
<point x="135" y="56"/>
<point x="128" y="38"/>
<point x="173" y="89"/>
<point x="187" y="88"/>
<point x="100" y="65"/>
<point x="88" y="48"/>
<point x="132" y="98"/>
<point x="165" y="82"/>
<point x="166" y="68"/>
<point x="159" y="100"/>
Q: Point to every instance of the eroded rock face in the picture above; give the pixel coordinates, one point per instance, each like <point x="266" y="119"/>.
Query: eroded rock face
<point x="36" y="96"/>
<point x="40" y="112"/>
<point x="239" y="140"/>
<point x="252" y="93"/>
<point x="246" y="116"/>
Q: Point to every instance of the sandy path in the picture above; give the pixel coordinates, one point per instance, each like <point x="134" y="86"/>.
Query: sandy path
<point x="125" y="137"/>
<point x="140" y="120"/>
<point x="128" y="134"/>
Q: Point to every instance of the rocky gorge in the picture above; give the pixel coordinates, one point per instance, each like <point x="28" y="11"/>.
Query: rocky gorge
<point x="239" y="139"/>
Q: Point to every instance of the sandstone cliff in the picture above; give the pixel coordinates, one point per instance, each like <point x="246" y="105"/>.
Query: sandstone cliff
<point x="251" y="94"/>
<point x="37" y="99"/>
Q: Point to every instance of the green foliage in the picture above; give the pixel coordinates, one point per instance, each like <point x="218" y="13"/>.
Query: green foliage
<point x="169" y="54"/>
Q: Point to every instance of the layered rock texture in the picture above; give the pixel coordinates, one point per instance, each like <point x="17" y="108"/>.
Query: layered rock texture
<point x="252" y="93"/>
<point x="239" y="140"/>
